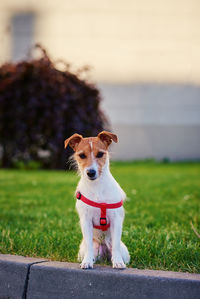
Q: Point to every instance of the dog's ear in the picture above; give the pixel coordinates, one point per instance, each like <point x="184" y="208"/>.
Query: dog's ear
<point x="73" y="141"/>
<point x="107" y="137"/>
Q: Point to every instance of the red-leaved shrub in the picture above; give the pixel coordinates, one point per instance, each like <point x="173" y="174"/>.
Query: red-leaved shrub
<point x="40" y="106"/>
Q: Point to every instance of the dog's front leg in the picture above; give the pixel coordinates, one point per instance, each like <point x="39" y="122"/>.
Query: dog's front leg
<point x="87" y="231"/>
<point x="116" y="231"/>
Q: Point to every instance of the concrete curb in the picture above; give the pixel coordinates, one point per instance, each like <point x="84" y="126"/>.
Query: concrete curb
<point x="14" y="275"/>
<point x="36" y="278"/>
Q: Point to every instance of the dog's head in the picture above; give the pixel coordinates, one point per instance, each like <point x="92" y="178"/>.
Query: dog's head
<point x="91" y="153"/>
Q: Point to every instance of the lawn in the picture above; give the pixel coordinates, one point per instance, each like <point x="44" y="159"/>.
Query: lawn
<point x="38" y="217"/>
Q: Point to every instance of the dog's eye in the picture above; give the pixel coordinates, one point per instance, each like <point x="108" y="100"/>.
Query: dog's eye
<point x="82" y="156"/>
<point x="99" y="154"/>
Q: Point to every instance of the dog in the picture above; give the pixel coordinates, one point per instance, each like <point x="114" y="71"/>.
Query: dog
<point x="99" y="202"/>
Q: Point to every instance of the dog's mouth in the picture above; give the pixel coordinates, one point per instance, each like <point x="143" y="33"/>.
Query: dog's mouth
<point x="92" y="179"/>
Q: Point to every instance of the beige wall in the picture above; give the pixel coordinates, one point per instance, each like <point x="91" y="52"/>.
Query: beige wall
<point x="124" y="41"/>
<point x="145" y="56"/>
<point x="172" y="142"/>
<point x="154" y="120"/>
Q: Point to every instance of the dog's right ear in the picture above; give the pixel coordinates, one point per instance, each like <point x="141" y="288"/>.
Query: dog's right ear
<point x="73" y="141"/>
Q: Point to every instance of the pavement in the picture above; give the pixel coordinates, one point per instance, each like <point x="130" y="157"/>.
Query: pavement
<point x="27" y="278"/>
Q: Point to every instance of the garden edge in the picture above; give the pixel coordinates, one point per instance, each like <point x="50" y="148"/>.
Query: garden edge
<point x="27" y="278"/>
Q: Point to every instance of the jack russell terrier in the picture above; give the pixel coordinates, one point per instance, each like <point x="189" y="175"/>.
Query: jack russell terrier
<point x="99" y="202"/>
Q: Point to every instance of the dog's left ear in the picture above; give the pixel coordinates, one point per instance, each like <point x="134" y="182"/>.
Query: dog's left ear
<point x="73" y="141"/>
<point x="107" y="137"/>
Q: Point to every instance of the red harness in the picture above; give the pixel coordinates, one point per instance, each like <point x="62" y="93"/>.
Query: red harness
<point x="103" y="206"/>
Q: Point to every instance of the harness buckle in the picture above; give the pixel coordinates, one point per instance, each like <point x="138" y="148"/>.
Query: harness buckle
<point x="103" y="221"/>
<point x="78" y="195"/>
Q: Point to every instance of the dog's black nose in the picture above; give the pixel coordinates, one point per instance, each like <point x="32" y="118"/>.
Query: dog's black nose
<point x="91" y="173"/>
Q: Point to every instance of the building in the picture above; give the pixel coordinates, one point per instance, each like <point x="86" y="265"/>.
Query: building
<point x="144" y="57"/>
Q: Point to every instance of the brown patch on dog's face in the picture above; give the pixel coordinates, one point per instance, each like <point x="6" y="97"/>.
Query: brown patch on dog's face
<point x="91" y="153"/>
<point x="83" y="153"/>
<point x="100" y="154"/>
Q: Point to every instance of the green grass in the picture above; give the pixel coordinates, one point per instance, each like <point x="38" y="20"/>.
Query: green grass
<point x="38" y="217"/>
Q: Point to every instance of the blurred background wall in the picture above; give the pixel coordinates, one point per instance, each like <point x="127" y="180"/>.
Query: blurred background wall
<point x="144" y="57"/>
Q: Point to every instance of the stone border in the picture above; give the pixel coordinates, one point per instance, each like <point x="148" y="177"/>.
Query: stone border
<point x="14" y="275"/>
<point x="28" y="278"/>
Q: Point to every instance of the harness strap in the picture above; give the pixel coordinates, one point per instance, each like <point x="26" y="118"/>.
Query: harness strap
<point x="103" y="206"/>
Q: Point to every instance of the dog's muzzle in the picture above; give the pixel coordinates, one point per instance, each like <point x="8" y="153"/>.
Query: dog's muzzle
<point x="91" y="173"/>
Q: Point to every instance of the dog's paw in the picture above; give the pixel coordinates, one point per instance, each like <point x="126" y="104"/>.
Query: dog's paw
<point x="118" y="265"/>
<point x="117" y="261"/>
<point x="86" y="265"/>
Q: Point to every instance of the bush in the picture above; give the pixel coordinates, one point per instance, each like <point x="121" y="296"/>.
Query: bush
<point x="40" y="106"/>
